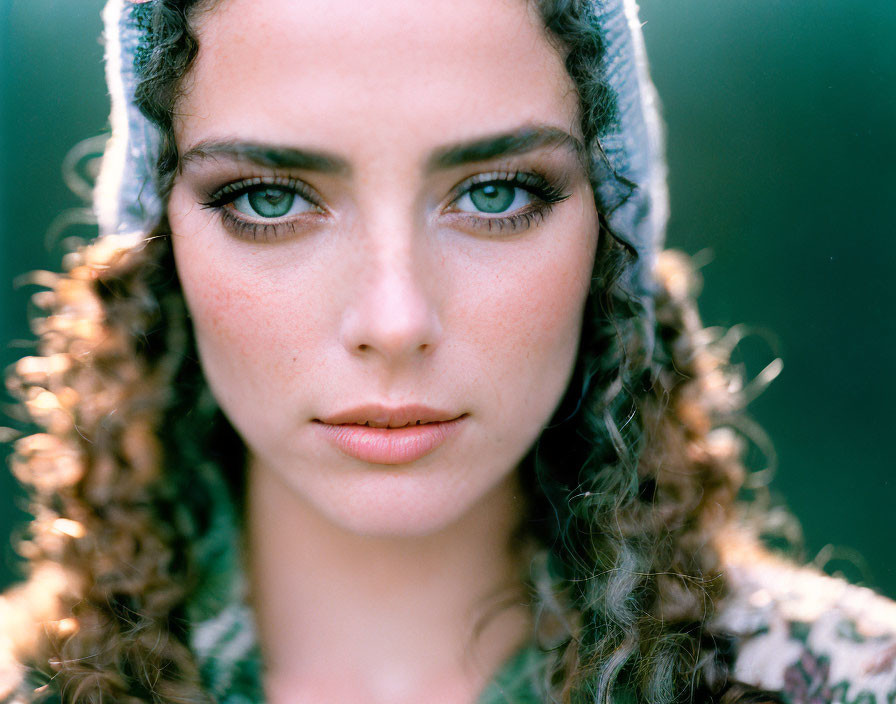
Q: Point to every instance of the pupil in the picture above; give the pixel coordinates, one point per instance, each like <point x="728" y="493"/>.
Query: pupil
<point x="492" y="198"/>
<point x="271" y="202"/>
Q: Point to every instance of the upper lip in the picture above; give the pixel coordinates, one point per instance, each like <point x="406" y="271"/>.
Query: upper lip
<point x="382" y="416"/>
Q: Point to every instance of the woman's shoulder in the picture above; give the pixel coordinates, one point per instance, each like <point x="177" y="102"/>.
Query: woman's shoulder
<point x="29" y="691"/>
<point x="27" y="610"/>
<point x="815" y="638"/>
<point x="18" y="684"/>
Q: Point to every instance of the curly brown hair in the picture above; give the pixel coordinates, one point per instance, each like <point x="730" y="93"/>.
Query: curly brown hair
<point x="628" y="485"/>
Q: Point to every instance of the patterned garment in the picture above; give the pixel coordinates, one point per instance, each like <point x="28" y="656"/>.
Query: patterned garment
<point x="816" y="639"/>
<point x="812" y="638"/>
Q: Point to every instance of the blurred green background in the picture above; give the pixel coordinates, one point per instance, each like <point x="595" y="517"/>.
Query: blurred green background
<point x="782" y="148"/>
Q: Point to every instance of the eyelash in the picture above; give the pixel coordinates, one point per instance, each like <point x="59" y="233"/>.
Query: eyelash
<point x="256" y="230"/>
<point x="545" y="193"/>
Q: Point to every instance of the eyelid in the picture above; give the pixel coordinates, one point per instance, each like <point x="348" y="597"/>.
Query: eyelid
<point x="231" y="191"/>
<point x="263" y="229"/>
<point x="540" y="186"/>
<point x="545" y="190"/>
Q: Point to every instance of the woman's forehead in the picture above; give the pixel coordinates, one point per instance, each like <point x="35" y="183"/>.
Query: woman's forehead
<point x="384" y="73"/>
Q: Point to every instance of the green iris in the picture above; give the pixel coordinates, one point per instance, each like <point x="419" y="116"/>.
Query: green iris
<point x="492" y="198"/>
<point x="271" y="202"/>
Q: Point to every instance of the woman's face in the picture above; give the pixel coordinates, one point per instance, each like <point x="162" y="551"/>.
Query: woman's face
<point x="383" y="205"/>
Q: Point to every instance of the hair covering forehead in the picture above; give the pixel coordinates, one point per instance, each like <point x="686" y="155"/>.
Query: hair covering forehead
<point x="628" y="166"/>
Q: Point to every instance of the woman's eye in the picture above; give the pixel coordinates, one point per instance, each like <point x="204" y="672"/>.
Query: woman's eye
<point x="507" y="200"/>
<point x="266" y="208"/>
<point x="493" y="198"/>
<point x="271" y="202"/>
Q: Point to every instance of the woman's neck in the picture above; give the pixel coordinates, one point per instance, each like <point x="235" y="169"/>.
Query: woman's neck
<point x="346" y="617"/>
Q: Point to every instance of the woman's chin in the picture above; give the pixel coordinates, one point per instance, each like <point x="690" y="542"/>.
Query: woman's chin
<point x="387" y="501"/>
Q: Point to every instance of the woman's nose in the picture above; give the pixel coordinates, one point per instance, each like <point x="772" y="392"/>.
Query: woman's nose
<point x="393" y="311"/>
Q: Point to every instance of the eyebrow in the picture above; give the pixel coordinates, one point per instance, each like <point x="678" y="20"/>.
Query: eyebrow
<point x="266" y="155"/>
<point x="520" y="141"/>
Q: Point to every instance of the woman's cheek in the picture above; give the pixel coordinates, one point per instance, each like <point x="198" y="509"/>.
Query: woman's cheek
<point x="525" y="333"/>
<point x="247" y="331"/>
<point x="528" y="318"/>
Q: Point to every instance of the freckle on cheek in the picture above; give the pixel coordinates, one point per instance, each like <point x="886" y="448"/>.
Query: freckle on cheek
<point x="558" y="290"/>
<point x="222" y="312"/>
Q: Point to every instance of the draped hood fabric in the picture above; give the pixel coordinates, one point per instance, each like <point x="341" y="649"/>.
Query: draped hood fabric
<point x="629" y="173"/>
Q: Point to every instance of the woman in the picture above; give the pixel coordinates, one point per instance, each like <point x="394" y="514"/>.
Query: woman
<point x="375" y="389"/>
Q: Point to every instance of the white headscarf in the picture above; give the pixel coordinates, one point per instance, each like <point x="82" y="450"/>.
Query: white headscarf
<point x="630" y="152"/>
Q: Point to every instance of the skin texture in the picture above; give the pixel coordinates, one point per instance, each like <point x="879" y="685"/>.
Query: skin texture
<point x="383" y="293"/>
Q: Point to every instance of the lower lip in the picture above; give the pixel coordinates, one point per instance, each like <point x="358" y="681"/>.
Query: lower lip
<point x="390" y="445"/>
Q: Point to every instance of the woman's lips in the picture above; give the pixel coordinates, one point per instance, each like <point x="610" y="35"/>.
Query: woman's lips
<point x="390" y="445"/>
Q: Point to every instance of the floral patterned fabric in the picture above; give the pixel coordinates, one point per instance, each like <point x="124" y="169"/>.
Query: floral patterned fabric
<point x="814" y="638"/>
<point x="811" y="638"/>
